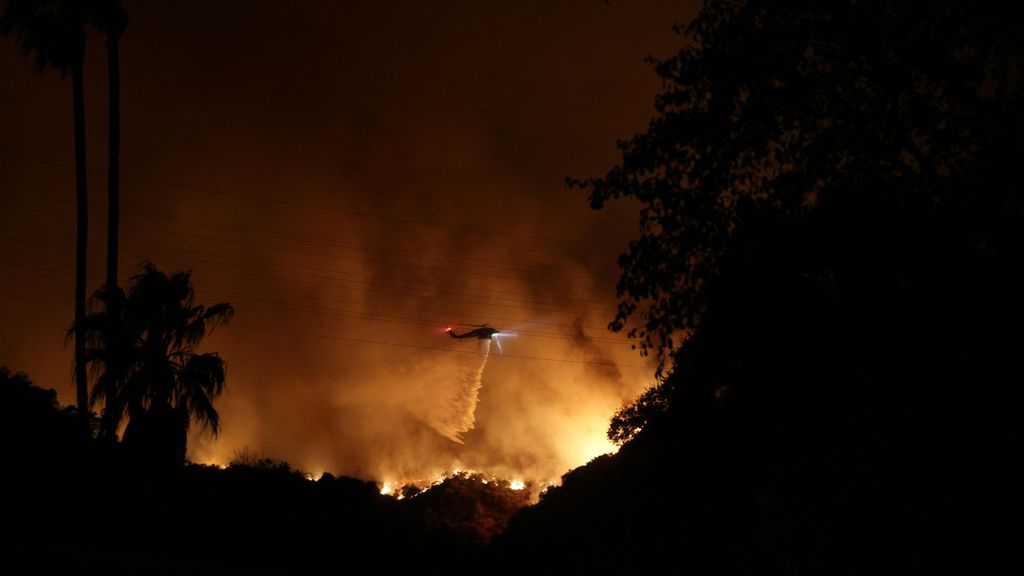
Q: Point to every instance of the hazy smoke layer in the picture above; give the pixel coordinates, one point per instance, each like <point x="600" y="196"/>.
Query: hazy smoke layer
<point x="350" y="206"/>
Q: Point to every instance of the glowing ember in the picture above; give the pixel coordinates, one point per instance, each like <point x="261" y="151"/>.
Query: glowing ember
<point x="517" y="485"/>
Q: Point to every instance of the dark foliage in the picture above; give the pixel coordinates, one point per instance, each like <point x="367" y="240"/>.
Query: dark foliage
<point x="35" y="431"/>
<point x="858" y="113"/>
<point x="258" y="515"/>
<point x="143" y="351"/>
<point x="833" y="219"/>
<point x="464" y="511"/>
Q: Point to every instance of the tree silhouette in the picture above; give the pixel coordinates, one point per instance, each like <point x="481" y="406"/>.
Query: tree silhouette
<point x="779" y="114"/>
<point x="53" y="35"/>
<point x="111" y="350"/>
<point x="110" y="18"/>
<point x="830" y="260"/>
<point x="37" y="436"/>
<point x="143" y="351"/>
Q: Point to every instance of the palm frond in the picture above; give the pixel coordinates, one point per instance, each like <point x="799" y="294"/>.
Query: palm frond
<point x="52" y="34"/>
<point x="219" y="314"/>
<point x="142" y="352"/>
<point x="200" y="382"/>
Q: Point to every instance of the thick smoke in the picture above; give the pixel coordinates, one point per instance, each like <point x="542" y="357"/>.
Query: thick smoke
<point x="350" y="206"/>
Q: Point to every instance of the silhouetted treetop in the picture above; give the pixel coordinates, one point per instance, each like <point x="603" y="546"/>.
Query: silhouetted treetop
<point x="143" y="349"/>
<point x="780" y="111"/>
<point x="52" y="34"/>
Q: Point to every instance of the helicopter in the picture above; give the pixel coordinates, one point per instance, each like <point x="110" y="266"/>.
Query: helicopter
<point x="482" y="331"/>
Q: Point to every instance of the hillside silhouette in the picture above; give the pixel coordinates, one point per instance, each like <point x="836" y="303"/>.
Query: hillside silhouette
<point x="257" y="515"/>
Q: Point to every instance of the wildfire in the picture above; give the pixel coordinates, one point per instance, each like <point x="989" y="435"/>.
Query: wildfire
<point x="401" y="489"/>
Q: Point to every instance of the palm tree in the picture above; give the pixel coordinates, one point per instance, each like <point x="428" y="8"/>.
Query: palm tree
<point x="109" y="352"/>
<point x="53" y="35"/>
<point x="143" y="350"/>
<point x="110" y="18"/>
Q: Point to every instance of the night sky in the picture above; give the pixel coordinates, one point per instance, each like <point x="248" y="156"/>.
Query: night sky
<point x="353" y="178"/>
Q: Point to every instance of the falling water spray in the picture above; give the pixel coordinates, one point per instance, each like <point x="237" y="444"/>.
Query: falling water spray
<point x="455" y="415"/>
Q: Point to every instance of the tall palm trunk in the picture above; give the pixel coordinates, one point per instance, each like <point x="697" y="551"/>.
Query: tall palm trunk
<point x="53" y="33"/>
<point x="113" y="154"/>
<point x="82" y="233"/>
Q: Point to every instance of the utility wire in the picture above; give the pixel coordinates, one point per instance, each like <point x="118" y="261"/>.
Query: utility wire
<point x="368" y="341"/>
<point x="273" y="301"/>
<point x="272" y="271"/>
<point x="466" y="261"/>
<point x="323" y="207"/>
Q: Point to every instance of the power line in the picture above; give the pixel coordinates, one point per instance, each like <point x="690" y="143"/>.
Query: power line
<point x="421" y="347"/>
<point x="321" y="281"/>
<point x="371" y="342"/>
<point x="356" y="315"/>
<point x="460" y="261"/>
<point x="326" y="208"/>
<point x="463" y="261"/>
<point x="440" y="292"/>
<point x="399" y="289"/>
<point x="276" y="303"/>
